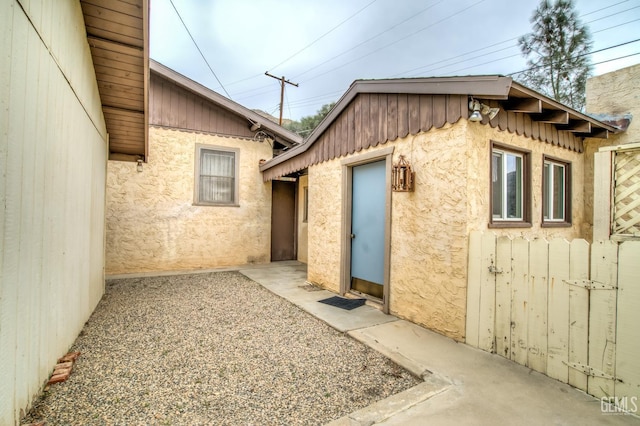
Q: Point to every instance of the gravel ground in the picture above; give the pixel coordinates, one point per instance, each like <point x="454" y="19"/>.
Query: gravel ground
<point x="212" y="348"/>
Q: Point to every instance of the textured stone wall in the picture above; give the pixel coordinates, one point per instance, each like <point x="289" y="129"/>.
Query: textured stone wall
<point x="479" y="145"/>
<point x="303" y="228"/>
<point x="430" y="226"/>
<point x="152" y="224"/>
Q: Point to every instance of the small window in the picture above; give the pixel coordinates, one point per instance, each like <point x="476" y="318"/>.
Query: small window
<point x="556" y="192"/>
<point x="509" y="187"/>
<point x="305" y="211"/>
<point x="216" y="176"/>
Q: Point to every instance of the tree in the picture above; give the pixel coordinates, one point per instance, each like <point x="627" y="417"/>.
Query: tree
<point x="557" y="50"/>
<point x="308" y="123"/>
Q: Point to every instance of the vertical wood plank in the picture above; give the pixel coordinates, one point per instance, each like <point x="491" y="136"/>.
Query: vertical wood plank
<point x="392" y="117"/>
<point x="538" y="285"/>
<point x="365" y="128"/>
<point x="382" y="119"/>
<point x="357" y="122"/>
<point x="374" y="117"/>
<point x="486" y="325"/>
<point x="602" y="316"/>
<point x="519" y="300"/>
<point x="426" y="112"/>
<point x="473" y="288"/>
<point x="453" y="107"/>
<point x="403" y="115"/>
<point x="503" y="296"/>
<point x="351" y="129"/>
<point x="439" y="111"/>
<point x="628" y="332"/>
<point x="602" y="174"/>
<point x="413" y="102"/>
<point x="578" y="313"/>
<point x="558" y="308"/>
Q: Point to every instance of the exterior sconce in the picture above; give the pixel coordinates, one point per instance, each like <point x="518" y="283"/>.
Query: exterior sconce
<point x="139" y="166"/>
<point x="402" y="176"/>
<point x="478" y="110"/>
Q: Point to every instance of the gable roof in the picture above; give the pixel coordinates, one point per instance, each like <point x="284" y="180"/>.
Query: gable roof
<point x="273" y="130"/>
<point x="118" y="36"/>
<point x="550" y="120"/>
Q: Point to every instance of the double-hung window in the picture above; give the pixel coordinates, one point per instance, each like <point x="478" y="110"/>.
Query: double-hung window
<point x="216" y="175"/>
<point x="556" y="192"/>
<point x="509" y="187"/>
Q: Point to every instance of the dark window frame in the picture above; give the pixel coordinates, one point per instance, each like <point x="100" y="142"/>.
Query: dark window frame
<point x="567" y="222"/>
<point x="200" y="149"/>
<point x="525" y="222"/>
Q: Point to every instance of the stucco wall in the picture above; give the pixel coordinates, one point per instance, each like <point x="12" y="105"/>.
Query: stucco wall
<point x="430" y="226"/>
<point x="153" y="224"/>
<point x="479" y="138"/>
<point x="303" y="228"/>
<point x="53" y="155"/>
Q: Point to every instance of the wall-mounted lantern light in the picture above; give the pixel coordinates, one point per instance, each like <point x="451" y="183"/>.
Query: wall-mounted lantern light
<point x="139" y="166"/>
<point x="402" y="176"/>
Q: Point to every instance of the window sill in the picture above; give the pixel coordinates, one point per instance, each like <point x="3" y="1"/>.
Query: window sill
<point x="507" y="224"/>
<point x="555" y="225"/>
<point x="215" y="205"/>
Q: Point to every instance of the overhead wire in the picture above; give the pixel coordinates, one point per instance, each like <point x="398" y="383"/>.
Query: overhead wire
<point x="322" y="36"/>
<point x="200" y="51"/>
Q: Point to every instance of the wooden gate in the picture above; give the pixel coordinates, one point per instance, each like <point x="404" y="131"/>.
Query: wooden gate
<point x="562" y="308"/>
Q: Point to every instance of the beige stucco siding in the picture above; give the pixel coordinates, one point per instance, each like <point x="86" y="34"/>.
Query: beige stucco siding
<point x="324" y="224"/>
<point x="479" y="142"/>
<point x="430" y="226"/>
<point x="153" y="224"/>
<point x="303" y="225"/>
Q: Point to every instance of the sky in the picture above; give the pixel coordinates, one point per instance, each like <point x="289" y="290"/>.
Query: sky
<point x="324" y="45"/>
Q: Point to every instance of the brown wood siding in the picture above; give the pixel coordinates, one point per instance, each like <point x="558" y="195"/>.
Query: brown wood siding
<point x="373" y="119"/>
<point x="175" y="107"/>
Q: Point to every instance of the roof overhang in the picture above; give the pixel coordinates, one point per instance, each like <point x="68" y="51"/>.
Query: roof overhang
<point x="510" y="95"/>
<point x="275" y="131"/>
<point x="118" y="35"/>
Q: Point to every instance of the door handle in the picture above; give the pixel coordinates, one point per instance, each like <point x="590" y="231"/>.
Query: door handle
<point x="353" y="236"/>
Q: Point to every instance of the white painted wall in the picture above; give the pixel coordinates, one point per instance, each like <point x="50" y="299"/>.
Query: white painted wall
<point x="53" y="156"/>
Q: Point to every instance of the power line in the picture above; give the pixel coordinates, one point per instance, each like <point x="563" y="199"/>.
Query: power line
<point x="579" y="56"/>
<point x="198" y="47"/>
<point x="344" y="52"/>
<point x="397" y="41"/>
<point x="322" y="36"/>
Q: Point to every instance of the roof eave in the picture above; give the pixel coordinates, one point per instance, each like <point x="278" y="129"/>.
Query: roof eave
<point x="223" y="101"/>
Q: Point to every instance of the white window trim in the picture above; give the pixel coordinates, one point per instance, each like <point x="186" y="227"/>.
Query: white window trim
<point x="236" y="178"/>
<point x="549" y="181"/>
<point x="504" y="185"/>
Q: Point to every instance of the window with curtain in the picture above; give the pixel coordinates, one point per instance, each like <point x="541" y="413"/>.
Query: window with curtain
<point x="216" y="178"/>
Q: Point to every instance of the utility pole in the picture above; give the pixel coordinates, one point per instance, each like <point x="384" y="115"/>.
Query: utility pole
<point x="282" y="82"/>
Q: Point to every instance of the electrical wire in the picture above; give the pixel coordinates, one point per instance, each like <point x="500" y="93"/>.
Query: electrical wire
<point x="200" y="51"/>
<point x="322" y="36"/>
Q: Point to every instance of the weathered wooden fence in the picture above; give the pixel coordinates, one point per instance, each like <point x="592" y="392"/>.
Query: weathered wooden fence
<point x="565" y="309"/>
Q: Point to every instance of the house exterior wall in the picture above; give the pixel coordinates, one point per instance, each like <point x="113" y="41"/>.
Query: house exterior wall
<point x="53" y="150"/>
<point x="303" y="226"/>
<point x="430" y="226"/>
<point x="613" y="93"/>
<point x="153" y="224"/>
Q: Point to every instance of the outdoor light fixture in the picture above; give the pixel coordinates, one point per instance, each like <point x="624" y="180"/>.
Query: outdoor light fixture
<point x="479" y="109"/>
<point x="254" y="126"/>
<point x="139" y="166"/>
<point x="402" y="176"/>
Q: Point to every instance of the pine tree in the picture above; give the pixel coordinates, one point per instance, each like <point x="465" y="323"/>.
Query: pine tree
<point x="557" y="51"/>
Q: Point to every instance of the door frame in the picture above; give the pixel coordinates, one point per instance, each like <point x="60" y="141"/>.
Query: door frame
<point x="348" y="164"/>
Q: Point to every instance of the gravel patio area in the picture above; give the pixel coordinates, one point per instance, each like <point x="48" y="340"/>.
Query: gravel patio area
<point x="212" y="348"/>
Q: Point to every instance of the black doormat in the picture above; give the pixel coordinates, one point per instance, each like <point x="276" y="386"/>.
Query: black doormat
<point x="343" y="302"/>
